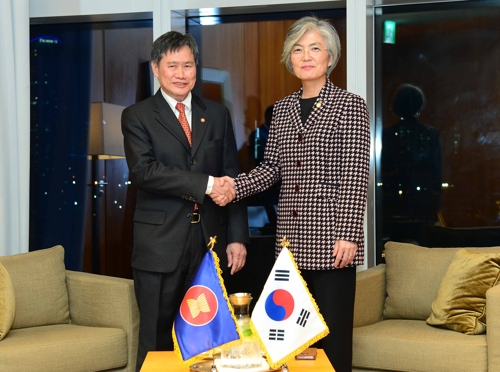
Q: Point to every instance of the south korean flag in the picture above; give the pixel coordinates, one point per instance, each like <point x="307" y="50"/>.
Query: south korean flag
<point x="286" y="317"/>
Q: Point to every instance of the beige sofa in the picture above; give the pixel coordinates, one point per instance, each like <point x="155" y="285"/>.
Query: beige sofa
<point x="64" y="320"/>
<point x="393" y="301"/>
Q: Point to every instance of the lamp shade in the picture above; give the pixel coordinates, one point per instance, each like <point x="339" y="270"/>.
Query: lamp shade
<point x="105" y="135"/>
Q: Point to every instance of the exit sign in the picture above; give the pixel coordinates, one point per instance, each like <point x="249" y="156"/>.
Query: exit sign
<point x="390" y="32"/>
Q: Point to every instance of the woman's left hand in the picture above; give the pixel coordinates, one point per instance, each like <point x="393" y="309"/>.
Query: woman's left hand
<point x="344" y="253"/>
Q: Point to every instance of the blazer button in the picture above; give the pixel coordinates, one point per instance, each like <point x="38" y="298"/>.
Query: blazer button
<point x="300" y="137"/>
<point x="297" y="188"/>
<point x="193" y="161"/>
<point x="295" y="214"/>
<point x="189" y="215"/>
<point x="299" y="163"/>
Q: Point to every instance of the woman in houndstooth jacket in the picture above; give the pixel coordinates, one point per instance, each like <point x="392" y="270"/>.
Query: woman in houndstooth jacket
<point x="319" y="146"/>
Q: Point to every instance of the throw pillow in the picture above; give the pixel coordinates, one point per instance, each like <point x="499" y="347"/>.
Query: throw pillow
<point x="7" y="302"/>
<point x="413" y="275"/>
<point x="460" y="304"/>
<point x="39" y="280"/>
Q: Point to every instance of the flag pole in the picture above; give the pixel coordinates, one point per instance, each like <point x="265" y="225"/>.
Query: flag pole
<point x="284" y="244"/>
<point x="214" y="367"/>
<point x="211" y="244"/>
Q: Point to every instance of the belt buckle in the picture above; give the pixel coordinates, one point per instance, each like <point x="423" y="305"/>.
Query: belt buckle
<point x="195" y="218"/>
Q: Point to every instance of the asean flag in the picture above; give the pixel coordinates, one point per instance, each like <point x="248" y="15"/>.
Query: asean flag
<point x="286" y="317"/>
<point x="205" y="319"/>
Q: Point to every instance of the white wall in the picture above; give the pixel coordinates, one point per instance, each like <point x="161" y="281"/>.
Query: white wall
<point x="59" y="8"/>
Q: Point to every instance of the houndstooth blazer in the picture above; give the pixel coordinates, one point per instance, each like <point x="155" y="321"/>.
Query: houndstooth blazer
<point x="324" y="166"/>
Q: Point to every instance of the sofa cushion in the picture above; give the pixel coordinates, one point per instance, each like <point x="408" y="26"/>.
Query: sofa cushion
<point x="7" y="302"/>
<point x="412" y="345"/>
<point x="413" y="276"/>
<point x="460" y="304"/>
<point x="39" y="282"/>
<point x="63" y="348"/>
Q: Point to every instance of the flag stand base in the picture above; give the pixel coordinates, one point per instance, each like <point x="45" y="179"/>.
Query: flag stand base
<point x="284" y="368"/>
<point x="213" y="368"/>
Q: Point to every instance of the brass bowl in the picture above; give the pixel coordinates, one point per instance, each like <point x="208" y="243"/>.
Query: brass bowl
<point x="240" y="298"/>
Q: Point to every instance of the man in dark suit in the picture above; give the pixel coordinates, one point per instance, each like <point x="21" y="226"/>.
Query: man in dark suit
<point x="176" y="145"/>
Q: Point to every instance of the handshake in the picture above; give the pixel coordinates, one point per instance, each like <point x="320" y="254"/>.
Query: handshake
<point x="223" y="191"/>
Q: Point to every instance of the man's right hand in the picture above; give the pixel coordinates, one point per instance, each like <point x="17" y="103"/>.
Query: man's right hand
<point x="223" y="191"/>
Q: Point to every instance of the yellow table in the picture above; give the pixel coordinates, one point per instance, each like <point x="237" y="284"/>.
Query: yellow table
<point x="161" y="361"/>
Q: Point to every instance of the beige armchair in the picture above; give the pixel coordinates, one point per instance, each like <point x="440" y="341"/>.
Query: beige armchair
<point x="64" y="320"/>
<point x="393" y="301"/>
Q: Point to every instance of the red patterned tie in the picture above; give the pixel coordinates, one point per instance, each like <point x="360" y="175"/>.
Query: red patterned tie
<point x="184" y="121"/>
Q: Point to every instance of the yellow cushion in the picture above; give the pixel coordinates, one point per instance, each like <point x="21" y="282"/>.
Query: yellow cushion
<point x="7" y="302"/>
<point x="460" y="304"/>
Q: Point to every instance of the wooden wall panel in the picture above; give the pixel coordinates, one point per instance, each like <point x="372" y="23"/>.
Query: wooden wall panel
<point x="125" y="78"/>
<point x="339" y="74"/>
<point x="253" y="108"/>
<point x="223" y="49"/>
<point x="252" y="72"/>
<point x="276" y="81"/>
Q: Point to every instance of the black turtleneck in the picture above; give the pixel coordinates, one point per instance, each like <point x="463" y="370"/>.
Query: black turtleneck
<point x="306" y="106"/>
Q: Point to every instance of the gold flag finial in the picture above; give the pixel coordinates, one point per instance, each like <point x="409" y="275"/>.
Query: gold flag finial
<point x="284" y="243"/>
<point x="212" y="242"/>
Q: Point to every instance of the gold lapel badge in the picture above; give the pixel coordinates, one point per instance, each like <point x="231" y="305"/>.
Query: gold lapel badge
<point x="202" y="120"/>
<point x="318" y="104"/>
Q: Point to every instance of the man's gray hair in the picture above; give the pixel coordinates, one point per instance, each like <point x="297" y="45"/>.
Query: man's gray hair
<point x="172" y="41"/>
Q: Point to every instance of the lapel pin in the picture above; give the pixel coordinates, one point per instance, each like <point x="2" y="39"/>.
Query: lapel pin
<point x="318" y="104"/>
<point x="202" y="120"/>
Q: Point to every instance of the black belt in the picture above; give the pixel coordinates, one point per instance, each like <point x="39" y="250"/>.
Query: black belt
<point x="196" y="217"/>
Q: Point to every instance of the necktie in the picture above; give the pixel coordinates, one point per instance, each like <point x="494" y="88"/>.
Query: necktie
<point x="184" y="121"/>
<point x="185" y="126"/>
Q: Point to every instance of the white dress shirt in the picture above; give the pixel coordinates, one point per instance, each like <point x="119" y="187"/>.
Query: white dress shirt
<point x="188" y="111"/>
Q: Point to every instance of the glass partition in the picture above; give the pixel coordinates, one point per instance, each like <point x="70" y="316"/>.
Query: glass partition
<point x="437" y="124"/>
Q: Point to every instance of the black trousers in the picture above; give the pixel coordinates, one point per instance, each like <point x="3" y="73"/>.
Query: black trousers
<point x="334" y="292"/>
<point x="159" y="296"/>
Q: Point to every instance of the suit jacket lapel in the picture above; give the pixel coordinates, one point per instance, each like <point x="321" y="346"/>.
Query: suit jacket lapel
<point x="199" y="122"/>
<point x="166" y="117"/>
<point x="322" y="107"/>
<point x="295" y="111"/>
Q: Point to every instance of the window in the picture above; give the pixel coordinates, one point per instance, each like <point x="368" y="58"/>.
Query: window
<point x="437" y="115"/>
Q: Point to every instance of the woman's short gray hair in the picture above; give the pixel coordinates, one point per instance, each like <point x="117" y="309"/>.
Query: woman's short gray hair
<point x="298" y="30"/>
